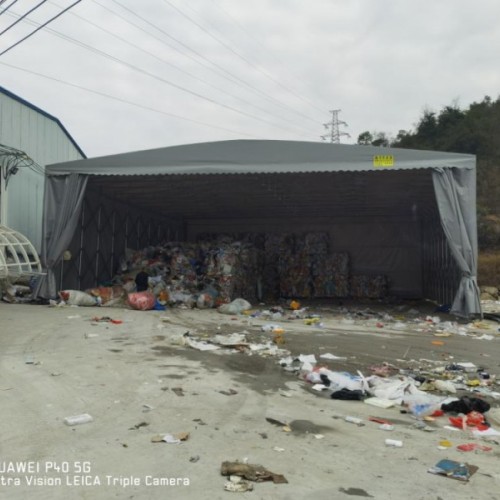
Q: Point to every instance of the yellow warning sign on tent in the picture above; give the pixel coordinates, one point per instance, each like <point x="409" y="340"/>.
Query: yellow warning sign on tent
<point x="384" y="161"/>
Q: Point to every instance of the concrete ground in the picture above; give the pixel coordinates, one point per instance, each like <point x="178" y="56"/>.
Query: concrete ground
<point x="137" y="382"/>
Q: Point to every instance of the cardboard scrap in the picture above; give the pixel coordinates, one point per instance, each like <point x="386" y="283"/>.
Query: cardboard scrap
<point x="252" y="472"/>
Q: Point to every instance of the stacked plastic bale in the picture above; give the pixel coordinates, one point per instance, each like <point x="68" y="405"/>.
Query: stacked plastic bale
<point x="277" y="247"/>
<point x="295" y="274"/>
<point x="369" y="287"/>
<point x="220" y="269"/>
<point x="331" y="275"/>
<point x="247" y="271"/>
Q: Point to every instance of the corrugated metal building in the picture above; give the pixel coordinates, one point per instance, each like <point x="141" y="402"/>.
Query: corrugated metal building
<point x="44" y="139"/>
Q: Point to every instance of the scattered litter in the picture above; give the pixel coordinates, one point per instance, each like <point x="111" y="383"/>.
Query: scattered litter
<point x="277" y="448"/>
<point x="319" y="387"/>
<point x="55" y="374"/>
<point x="178" y="390"/>
<point x="170" y="438"/>
<point x="252" y="472"/>
<point x="106" y="319"/>
<point x="238" y="485"/>
<point x="445" y="386"/>
<point x="194" y="458"/>
<point x="84" y="418"/>
<point x="422" y="426"/>
<point x="465" y="405"/>
<point x="146" y="408"/>
<point x="319" y="436"/>
<point x="466" y="366"/>
<point x="329" y="355"/>
<point x="78" y="298"/>
<point x="380" y="403"/>
<point x="348" y="395"/>
<point x="453" y="470"/>
<point x="394" y="443"/>
<point x="200" y="345"/>
<point x="270" y="328"/>
<point x="485" y="432"/>
<point x="138" y="426"/>
<point x="354" y="420"/>
<point x="386" y="427"/>
<point x="473" y="447"/>
<point x="276" y="422"/>
<point x="445" y="444"/>
<point x="237" y="306"/>
<point x="484" y="336"/>
<point x="379" y="420"/>
<point x="230" y="392"/>
<point x="451" y="428"/>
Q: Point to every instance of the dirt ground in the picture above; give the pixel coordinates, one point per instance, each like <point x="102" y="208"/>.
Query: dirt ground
<point x="137" y="382"/>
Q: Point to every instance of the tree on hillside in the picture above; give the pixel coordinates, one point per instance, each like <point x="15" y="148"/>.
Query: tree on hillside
<point x="475" y="130"/>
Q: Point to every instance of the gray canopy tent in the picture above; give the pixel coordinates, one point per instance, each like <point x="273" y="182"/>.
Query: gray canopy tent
<point x="428" y="199"/>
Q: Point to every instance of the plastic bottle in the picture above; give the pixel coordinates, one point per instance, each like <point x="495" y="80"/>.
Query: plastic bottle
<point x="386" y="427"/>
<point x="354" y="420"/>
<point x="394" y="443"/>
<point x="84" y="418"/>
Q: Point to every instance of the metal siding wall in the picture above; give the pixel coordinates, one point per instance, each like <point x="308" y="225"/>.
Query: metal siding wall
<point x="43" y="140"/>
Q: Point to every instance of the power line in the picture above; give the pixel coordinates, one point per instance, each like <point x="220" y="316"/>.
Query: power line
<point x="22" y="17"/>
<point x="252" y="37"/>
<point x="119" y="99"/>
<point x="8" y="6"/>
<point x="40" y="27"/>
<point x="178" y="68"/>
<point x="168" y="82"/>
<point x="252" y="87"/>
<point x="237" y="54"/>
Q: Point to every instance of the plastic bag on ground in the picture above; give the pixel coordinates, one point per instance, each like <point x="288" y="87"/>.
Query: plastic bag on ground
<point x="78" y="298"/>
<point x="422" y="405"/>
<point x="235" y="307"/>
<point x="141" y="301"/>
<point x="341" y="380"/>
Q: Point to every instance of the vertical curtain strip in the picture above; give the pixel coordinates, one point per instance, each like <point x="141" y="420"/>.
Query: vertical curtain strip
<point x="62" y="207"/>
<point x="455" y="190"/>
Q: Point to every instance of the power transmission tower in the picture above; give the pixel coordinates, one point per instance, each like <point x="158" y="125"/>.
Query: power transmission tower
<point x="333" y="126"/>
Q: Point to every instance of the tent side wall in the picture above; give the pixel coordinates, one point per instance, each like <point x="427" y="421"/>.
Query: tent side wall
<point x="440" y="272"/>
<point x="105" y="230"/>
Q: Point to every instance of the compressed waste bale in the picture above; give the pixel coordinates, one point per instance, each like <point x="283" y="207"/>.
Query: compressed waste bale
<point x="372" y="287"/>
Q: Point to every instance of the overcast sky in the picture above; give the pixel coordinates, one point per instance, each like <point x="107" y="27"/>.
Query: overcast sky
<point x="124" y="75"/>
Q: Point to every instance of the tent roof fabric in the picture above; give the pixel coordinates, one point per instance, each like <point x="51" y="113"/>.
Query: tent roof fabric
<point x="261" y="157"/>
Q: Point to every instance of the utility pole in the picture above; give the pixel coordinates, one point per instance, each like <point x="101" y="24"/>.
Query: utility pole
<point x="333" y="126"/>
